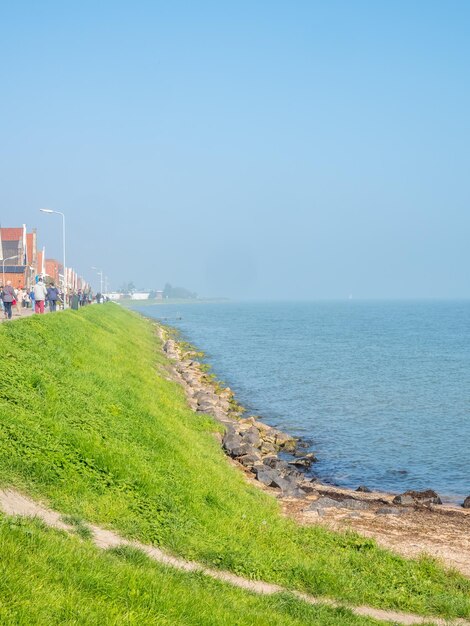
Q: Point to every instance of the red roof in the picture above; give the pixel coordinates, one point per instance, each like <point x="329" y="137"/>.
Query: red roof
<point x="11" y="234"/>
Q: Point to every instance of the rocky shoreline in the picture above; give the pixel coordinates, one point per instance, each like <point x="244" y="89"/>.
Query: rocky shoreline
<point x="275" y="460"/>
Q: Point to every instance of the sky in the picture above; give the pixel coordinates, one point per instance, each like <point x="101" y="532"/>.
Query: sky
<point x="249" y="149"/>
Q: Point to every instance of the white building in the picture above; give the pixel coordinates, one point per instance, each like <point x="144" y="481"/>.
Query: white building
<point x="140" y="295"/>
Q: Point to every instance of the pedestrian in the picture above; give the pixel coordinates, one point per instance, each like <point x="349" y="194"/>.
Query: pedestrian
<point x="52" y="296"/>
<point x="19" y="300"/>
<point x="75" y="301"/>
<point x="40" y="294"/>
<point x="8" y="297"/>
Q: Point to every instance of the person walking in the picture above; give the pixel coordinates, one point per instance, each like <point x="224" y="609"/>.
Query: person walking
<point x="8" y="296"/>
<point x="40" y="294"/>
<point x="19" y="300"/>
<point x="52" y="296"/>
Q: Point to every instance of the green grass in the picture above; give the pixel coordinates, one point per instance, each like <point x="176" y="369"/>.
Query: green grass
<point x="88" y="421"/>
<point x="47" y="577"/>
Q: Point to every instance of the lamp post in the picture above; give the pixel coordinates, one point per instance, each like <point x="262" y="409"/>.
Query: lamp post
<point x="3" y="262"/>
<point x="63" y="250"/>
<point x="100" y="274"/>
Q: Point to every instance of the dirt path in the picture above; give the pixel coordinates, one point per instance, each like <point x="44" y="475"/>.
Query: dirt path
<point x="14" y="503"/>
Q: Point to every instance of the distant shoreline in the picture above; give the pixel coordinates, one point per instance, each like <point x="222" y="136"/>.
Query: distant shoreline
<point x="129" y="302"/>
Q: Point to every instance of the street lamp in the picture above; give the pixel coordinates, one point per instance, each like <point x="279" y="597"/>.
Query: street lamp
<point x="3" y="261"/>
<point x="63" y="248"/>
<point x="100" y="274"/>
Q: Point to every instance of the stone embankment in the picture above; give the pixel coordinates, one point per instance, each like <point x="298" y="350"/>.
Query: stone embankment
<point x="255" y="445"/>
<point x="275" y="459"/>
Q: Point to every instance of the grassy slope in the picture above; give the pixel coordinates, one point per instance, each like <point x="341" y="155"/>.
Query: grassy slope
<point x="86" y="423"/>
<point x="47" y="577"/>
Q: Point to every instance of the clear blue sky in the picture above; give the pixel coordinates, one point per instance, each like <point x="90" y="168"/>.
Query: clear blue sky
<point x="248" y="149"/>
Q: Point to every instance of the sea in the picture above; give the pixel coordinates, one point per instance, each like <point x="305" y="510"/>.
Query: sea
<point x="380" y="391"/>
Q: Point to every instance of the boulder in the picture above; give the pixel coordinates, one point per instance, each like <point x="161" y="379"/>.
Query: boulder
<point x="309" y="488"/>
<point x="232" y="444"/>
<point x="252" y="437"/>
<point x="275" y="463"/>
<point x="267" y="448"/>
<point x="284" y="441"/>
<point x="169" y="345"/>
<point x="409" y="498"/>
<point x="249" y="459"/>
<point x="264" y="474"/>
<point x="466" y="503"/>
<point x="325" y="502"/>
<point x="269" y="436"/>
<point x="288" y="486"/>
<point x="205" y="407"/>
<point x="304" y="461"/>
<point x="390" y="510"/>
<point x="364" y="489"/>
<point x="248" y="420"/>
<point x="404" y="499"/>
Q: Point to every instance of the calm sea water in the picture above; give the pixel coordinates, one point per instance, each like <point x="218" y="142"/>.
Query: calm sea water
<point x="381" y="390"/>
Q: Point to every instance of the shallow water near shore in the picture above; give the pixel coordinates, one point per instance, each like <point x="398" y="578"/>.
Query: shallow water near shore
<point x="380" y="390"/>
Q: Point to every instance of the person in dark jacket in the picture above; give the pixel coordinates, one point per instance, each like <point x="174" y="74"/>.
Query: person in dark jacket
<point x="52" y="296"/>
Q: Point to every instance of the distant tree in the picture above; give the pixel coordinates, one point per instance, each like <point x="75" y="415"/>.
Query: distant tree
<point x="127" y="288"/>
<point x="179" y="293"/>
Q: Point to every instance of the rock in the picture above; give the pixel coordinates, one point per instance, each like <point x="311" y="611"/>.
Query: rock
<point x="293" y="473"/>
<point x="390" y="510"/>
<point x="409" y="498"/>
<point x="355" y="505"/>
<point x="269" y="436"/>
<point x="466" y="503"/>
<point x="234" y="446"/>
<point x="264" y="474"/>
<point x="224" y="405"/>
<point x="248" y="420"/>
<point x="280" y="482"/>
<point x="304" y="461"/>
<point x="286" y="442"/>
<point x="169" y="345"/>
<point x="289" y="486"/>
<point x="267" y="448"/>
<point x="206" y="407"/>
<point x="309" y="488"/>
<point x="364" y="489"/>
<point x="263" y="428"/>
<point x="404" y="500"/>
<point x="249" y="459"/>
<point x="324" y="502"/>
<point x="252" y="437"/>
<point x="275" y="463"/>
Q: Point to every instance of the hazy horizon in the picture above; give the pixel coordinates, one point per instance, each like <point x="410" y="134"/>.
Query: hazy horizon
<point x="272" y="150"/>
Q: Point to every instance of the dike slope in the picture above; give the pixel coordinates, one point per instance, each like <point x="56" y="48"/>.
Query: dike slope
<point x="92" y="423"/>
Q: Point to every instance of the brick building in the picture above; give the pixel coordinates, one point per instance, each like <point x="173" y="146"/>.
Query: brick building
<point x="18" y="256"/>
<point x="53" y="270"/>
